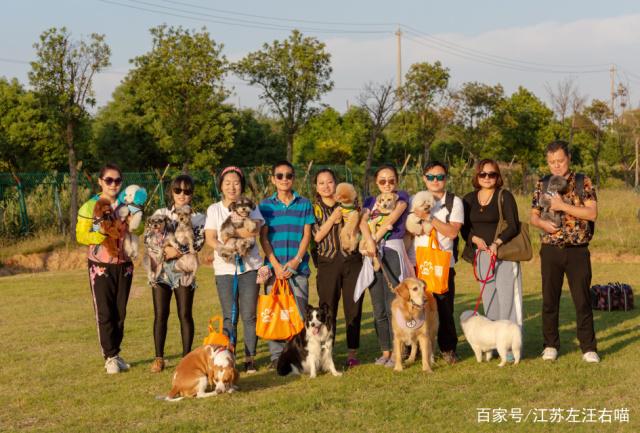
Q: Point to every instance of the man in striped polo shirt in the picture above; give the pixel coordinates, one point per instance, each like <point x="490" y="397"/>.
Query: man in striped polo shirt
<point x="285" y="238"/>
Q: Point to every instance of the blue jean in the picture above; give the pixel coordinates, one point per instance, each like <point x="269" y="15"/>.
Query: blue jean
<point x="300" y="289"/>
<point x="247" y="302"/>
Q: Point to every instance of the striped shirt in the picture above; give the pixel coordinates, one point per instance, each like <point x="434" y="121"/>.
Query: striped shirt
<point x="285" y="225"/>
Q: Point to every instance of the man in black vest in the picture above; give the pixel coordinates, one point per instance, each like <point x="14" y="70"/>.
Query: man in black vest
<point x="565" y="250"/>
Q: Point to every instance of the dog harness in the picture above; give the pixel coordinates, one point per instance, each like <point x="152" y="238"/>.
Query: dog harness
<point x="408" y="324"/>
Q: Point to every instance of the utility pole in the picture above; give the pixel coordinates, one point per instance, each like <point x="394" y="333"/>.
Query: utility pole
<point x="399" y="66"/>
<point x="613" y="91"/>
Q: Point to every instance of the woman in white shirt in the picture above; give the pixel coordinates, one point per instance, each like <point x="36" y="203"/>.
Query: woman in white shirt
<point x="232" y="184"/>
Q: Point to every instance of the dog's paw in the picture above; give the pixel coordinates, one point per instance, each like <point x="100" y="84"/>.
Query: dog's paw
<point x="312" y="376"/>
<point x="336" y="373"/>
<point x="397" y="368"/>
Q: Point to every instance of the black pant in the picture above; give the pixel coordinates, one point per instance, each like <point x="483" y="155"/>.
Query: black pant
<point x="339" y="275"/>
<point x="447" y="336"/>
<point x="575" y="262"/>
<point x="110" y="287"/>
<point x="161" y="308"/>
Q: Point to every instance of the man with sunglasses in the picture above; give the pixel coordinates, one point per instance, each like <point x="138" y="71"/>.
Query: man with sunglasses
<point x="446" y="217"/>
<point x="285" y="237"/>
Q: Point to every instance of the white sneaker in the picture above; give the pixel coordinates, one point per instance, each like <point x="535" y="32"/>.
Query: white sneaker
<point x="121" y="363"/>
<point x="550" y="354"/>
<point x="111" y="364"/>
<point x="591" y="357"/>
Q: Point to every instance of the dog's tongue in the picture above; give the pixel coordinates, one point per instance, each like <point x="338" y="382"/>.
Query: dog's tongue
<point x="315" y="330"/>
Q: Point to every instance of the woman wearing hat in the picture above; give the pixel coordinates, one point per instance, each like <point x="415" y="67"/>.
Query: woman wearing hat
<point x="232" y="184"/>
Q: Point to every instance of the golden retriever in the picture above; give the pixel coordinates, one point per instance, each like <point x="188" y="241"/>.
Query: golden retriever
<point x="414" y="321"/>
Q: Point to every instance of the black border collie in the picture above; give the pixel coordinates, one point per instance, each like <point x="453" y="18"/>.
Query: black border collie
<point x="311" y="350"/>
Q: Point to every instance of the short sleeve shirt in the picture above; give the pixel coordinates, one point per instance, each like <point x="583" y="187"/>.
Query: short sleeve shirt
<point x="440" y="212"/>
<point x="574" y="231"/>
<point x="217" y="214"/>
<point x="399" y="226"/>
<point x="285" y="225"/>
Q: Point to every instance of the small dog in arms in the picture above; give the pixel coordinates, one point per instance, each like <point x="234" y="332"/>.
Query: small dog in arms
<point x="311" y="351"/>
<point x="485" y="335"/>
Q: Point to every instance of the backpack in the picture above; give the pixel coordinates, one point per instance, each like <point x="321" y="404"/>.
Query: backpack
<point x="612" y="296"/>
<point x="579" y="191"/>
<point x="448" y="204"/>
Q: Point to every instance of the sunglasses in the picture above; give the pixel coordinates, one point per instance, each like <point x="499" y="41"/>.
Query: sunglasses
<point x="432" y="177"/>
<point x="178" y="191"/>
<point x="281" y="176"/>
<point x="109" y="180"/>
<point x="385" y="181"/>
<point x="490" y="175"/>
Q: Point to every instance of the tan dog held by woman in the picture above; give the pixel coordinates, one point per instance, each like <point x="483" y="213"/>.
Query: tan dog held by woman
<point x="347" y="197"/>
<point x="414" y="321"/>
<point x="205" y="371"/>
<point x="385" y="204"/>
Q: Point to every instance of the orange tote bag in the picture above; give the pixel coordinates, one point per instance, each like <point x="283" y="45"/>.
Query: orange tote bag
<point x="277" y="314"/>
<point x="216" y="337"/>
<point x="433" y="265"/>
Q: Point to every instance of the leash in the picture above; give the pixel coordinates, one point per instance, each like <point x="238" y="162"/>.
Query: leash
<point x="234" y="301"/>
<point x="491" y="271"/>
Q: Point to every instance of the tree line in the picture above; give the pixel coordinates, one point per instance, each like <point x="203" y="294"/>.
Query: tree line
<point x="172" y="107"/>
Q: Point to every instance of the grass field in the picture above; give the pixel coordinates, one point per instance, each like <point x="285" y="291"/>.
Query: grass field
<point x="53" y="379"/>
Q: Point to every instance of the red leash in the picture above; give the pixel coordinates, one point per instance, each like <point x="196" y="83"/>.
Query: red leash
<point x="487" y="278"/>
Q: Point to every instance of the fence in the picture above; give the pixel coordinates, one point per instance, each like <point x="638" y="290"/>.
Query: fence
<point x="36" y="202"/>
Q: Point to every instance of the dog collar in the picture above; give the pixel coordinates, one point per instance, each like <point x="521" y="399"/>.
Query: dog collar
<point x="408" y="324"/>
<point x="348" y="207"/>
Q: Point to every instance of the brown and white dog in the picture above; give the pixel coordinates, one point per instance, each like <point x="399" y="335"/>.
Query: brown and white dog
<point x="347" y="196"/>
<point x="414" y="321"/>
<point x="205" y="371"/>
<point x="385" y="204"/>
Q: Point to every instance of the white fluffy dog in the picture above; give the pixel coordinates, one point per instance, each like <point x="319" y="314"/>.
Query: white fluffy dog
<point x="484" y="335"/>
<point x="421" y="201"/>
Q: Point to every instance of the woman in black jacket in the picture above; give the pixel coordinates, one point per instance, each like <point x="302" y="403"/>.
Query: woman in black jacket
<point x="502" y="296"/>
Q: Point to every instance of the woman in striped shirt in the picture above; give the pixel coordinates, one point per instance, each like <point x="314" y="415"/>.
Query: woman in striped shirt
<point x="337" y="270"/>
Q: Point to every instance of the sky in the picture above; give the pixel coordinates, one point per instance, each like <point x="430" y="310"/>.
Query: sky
<point x="514" y="43"/>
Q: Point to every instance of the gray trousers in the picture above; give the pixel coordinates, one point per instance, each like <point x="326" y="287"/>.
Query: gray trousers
<point x="247" y="303"/>
<point x="300" y="289"/>
<point x="382" y="296"/>
<point x="502" y="296"/>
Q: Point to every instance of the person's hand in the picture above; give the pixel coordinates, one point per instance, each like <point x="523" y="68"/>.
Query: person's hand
<point x="336" y="215"/>
<point x="292" y="264"/>
<point x="278" y="270"/>
<point x="493" y="249"/>
<point x="557" y="203"/>
<point x="548" y="226"/>
<point x="171" y="253"/>
<point x="480" y="243"/>
<point x="370" y="250"/>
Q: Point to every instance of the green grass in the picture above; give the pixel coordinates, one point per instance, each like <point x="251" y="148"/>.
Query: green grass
<point x="52" y="375"/>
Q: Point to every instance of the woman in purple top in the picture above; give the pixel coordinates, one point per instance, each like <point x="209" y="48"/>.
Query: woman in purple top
<point x="392" y="255"/>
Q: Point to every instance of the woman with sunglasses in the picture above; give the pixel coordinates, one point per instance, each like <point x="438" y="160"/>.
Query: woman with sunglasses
<point x="337" y="270"/>
<point x="109" y="276"/>
<point x="502" y="295"/>
<point x="168" y="283"/>
<point x="395" y="264"/>
<point x="232" y="184"/>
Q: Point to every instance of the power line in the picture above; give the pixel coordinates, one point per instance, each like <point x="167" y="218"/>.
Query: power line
<point x="224" y="11"/>
<point x="215" y="19"/>
<point x="472" y="51"/>
<point x="498" y="63"/>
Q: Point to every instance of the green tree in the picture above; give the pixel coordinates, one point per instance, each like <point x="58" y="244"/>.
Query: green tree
<point x="598" y="113"/>
<point x="425" y="94"/>
<point x="474" y="105"/>
<point x="520" y="120"/>
<point x="179" y="87"/>
<point x="292" y="74"/>
<point x="62" y="75"/>
<point x="27" y="138"/>
<point x="257" y="140"/>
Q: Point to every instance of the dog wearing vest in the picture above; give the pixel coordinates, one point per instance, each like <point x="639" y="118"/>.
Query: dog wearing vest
<point x="385" y="204"/>
<point x="347" y="197"/>
<point x="414" y="321"/>
<point x="311" y="350"/>
<point x="206" y="371"/>
<point x="485" y="335"/>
